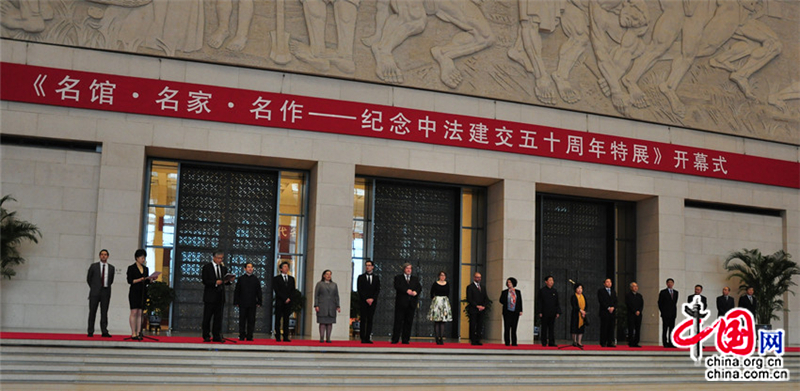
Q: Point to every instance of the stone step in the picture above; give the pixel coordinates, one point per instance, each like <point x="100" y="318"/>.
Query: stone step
<point x="76" y="362"/>
<point x="348" y="379"/>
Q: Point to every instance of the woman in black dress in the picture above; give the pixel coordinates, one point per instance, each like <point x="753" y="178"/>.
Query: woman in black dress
<point x="440" y="311"/>
<point x="577" y="324"/>
<point x="138" y="279"/>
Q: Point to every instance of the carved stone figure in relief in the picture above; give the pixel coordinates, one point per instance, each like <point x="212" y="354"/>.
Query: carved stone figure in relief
<point x="779" y="98"/>
<point x="410" y="18"/>
<point x="536" y="17"/>
<point x="575" y="25"/>
<point x="244" y="17"/>
<point x="178" y="26"/>
<point x="316" y="53"/>
<point x="26" y="15"/>
<point x="382" y="12"/>
<point x="756" y="41"/>
<point x="617" y="27"/>
<point x="684" y="19"/>
<point x="122" y="23"/>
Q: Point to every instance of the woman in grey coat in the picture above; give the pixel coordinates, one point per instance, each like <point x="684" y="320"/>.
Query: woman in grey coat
<point x="326" y="304"/>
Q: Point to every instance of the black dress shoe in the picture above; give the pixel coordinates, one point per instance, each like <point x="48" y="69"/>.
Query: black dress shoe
<point x="217" y="339"/>
<point x="513" y="344"/>
<point x="287" y="340"/>
<point x="206" y="339"/>
<point x="612" y="346"/>
<point x="406" y="343"/>
<point x="249" y="339"/>
<point x="241" y="338"/>
<point x="552" y="345"/>
<point x="90" y="335"/>
<point x="394" y="342"/>
<point x="106" y="335"/>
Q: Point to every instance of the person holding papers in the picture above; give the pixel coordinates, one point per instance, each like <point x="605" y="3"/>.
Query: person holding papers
<point x="215" y="274"/>
<point x="138" y="278"/>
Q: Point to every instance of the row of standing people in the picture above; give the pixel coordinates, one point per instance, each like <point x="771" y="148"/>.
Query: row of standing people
<point x="550" y="310"/>
<point x="407" y="291"/>
<point x="248" y="297"/>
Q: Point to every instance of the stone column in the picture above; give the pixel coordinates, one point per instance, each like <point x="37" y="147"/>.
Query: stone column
<point x="329" y="240"/>
<point x="510" y="251"/>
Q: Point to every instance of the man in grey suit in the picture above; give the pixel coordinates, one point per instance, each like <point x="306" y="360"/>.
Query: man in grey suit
<point x="100" y="277"/>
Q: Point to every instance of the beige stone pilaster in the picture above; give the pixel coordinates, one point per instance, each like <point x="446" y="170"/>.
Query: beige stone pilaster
<point x="329" y="240"/>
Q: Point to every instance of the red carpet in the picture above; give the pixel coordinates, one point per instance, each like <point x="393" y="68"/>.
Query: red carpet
<point x="306" y="342"/>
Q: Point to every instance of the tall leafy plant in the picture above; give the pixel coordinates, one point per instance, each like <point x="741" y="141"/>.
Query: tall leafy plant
<point x="12" y="233"/>
<point x="770" y="276"/>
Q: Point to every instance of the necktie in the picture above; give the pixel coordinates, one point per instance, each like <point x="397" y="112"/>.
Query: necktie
<point x="218" y="276"/>
<point x="670" y="294"/>
<point x="609" y="291"/>
<point x="103" y="274"/>
<point x="408" y="278"/>
<point x="478" y="285"/>
<point x="285" y="279"/>
<point x="369" y="279"/>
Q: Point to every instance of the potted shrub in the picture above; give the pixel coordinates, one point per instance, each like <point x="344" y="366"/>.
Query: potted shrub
<point x="355" y="313"/>
<point x="297" y="303"/>
<point x="770" y="276"/>
<point x="159" y="298"/>
<point x="14" y="233"/>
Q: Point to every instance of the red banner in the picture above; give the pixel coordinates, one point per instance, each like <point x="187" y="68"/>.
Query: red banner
<point x="96" y="91"/>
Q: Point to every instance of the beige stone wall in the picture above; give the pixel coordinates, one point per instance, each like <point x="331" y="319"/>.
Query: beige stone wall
<point x="712" y="235"/>
<point x="720" y="66"/>
<point x="56" y="190"/>
<point x="333" y="160"/>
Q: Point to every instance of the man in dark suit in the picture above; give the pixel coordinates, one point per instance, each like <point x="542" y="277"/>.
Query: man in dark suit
<point x="214" y="296"/>
<point x="607" y="298"/>
<point x="406" y="287"/>
<point x="549" y="311"/>
<point x="698" y="289"/>
<point x="283" y="285"/>
<point x="100" y="277"/>
<point x="369" y="287"/>
<point x="668" y="306"/>
<point x="247" y="296"/>
<point x="477" y="299"/>
<point x="635" y="304"/>
<point x="725" y="302"/>
<point x="748" y="300"/>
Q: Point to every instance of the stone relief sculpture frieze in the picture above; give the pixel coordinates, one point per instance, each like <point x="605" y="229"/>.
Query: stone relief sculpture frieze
<point x="719" y="65"/>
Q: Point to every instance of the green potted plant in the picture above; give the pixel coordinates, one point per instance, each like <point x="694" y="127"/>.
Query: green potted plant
<point x="770" y="276"/>
<point x="297" y="303"/>
<point x="484" y="314"/>
<point x="159" y="297"/>
<point x="14" y="232"/>
<point x="355" y="313"/>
